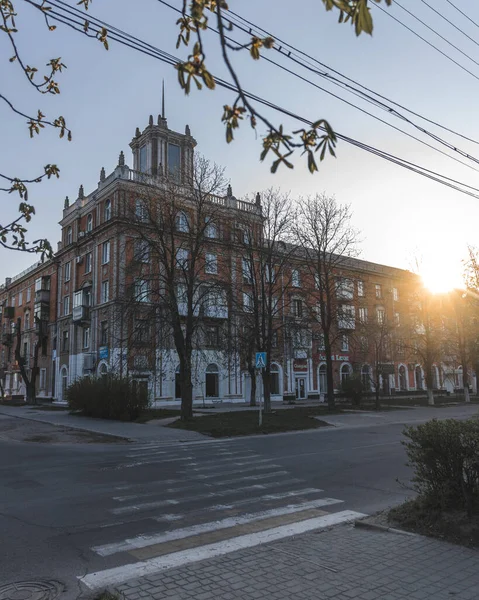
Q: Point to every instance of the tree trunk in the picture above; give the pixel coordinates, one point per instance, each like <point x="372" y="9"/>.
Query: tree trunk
<point x="252" y="374"/>
<point x="377" y="391"/>
<point x="467" y="397"/>
<point x="329" y="379"/>
<point x="266" y="391"/>
<point x="430" y="396"/>
<point x="186" y="393"/>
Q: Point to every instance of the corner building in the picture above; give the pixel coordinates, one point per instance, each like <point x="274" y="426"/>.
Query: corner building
<point x="73" y="304"/>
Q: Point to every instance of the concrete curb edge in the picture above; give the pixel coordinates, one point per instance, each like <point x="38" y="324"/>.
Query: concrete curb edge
<point x="364" y="524"/>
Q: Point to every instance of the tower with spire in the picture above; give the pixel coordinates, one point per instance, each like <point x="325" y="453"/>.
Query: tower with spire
<point x="161" y="152"/>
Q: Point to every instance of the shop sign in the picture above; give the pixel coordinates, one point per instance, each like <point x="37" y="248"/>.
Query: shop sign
<point x="340" y="357"/>
<point x="300" y="364"/>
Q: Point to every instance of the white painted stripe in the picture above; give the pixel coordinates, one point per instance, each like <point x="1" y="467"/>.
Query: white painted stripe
<point x="282" y="495"/>
<point x="252" y="462"/>
<point x="148" y="462"/>
<point x="157" y="504"/>
<point x="120" y="574"/>
<point x="142" y="541"/>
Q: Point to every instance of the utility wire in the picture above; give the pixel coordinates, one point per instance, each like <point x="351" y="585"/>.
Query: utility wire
<point x="450" y="23"/>
<point x="120" y="36"/>
<point x="462" y="13"/>
<point x="425" y="40"/>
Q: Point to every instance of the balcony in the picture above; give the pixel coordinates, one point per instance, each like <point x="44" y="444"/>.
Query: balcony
<point x="80" y="313"/>
<point x="42" y="296"/>
<point x="7" y="339"/>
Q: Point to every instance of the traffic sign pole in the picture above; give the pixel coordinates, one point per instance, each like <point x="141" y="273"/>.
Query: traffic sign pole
<point x="260" y="416"/>
<point x="260" y="361"/>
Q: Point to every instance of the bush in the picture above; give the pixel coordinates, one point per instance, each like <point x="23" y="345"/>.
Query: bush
<point x="445" y="458"/>
<point x="353" y="389"/>
<point x="107" y="397"/>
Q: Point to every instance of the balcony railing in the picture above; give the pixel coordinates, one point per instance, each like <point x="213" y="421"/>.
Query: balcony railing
<point x="80" y="313"/>
<point x="42" y="296"/>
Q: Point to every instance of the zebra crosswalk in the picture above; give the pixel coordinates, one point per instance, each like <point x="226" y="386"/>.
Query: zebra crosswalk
<point x="205" y="500"/>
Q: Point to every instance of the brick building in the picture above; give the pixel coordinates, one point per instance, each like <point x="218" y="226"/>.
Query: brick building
<point x="76" y="305"/>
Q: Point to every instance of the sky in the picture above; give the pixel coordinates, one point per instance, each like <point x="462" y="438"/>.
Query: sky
<point x="105" y="95"/>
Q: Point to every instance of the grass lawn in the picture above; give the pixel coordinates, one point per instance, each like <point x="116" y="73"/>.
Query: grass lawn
<point x="453" y="526"/>
<point x="157" y="413"/>
<point x="438" y="401"/>
<point x="245" y="422"/>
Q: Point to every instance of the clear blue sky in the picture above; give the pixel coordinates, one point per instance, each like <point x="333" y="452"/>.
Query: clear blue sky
<point x="106" y="95"/>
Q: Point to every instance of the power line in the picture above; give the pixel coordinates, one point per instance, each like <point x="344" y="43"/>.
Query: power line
<point x="462" y="13"/>
<point x="137" y="44"/>
<point x="425" y="40"/>
<point x="451" y="23"/>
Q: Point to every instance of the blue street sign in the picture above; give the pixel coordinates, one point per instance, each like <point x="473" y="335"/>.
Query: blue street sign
<point x="260" y="360"/>
<point x="103" y="353"/>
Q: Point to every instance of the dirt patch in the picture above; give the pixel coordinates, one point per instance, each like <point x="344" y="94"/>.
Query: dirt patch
<point x="22" y="430"/>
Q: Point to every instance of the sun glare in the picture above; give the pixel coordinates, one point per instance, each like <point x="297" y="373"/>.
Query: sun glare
<point x="440" y="278"/>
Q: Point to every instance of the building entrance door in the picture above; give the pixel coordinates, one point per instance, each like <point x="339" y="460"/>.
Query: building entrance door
<point x="300" y="388"/>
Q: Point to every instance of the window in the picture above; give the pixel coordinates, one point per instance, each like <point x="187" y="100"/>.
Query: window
<point x="247" y="302"/>
<point x="317" y="281"/>
<point x="105" y="253"/>
<point x="346" y="317"/>
<point x="269" y="272"/>
<point x="13" y="300"/>
<point x="89" y="223"/>
<point x="321" y="343"/>
<point x="182" y="255"/>
<point x="103" y="333"/>
<point x="142" y="251"/>
<point x="65" y="341"/>
<point x="295" y="278"/>
<point x="297" y="308"/>
<point x="107" y="210"/>
<point x="43" y="379"/>
<point x="212" y="381"/>
<point x="378" y="290"/>
<point x="395" y="294"/>
<point x="86" y="337"/>
<point x="246" y="264"/>
<point x="69" y="236"/>
<point x="105" y="291"/>
<point x="141" y="211"/>
<point x="174" y="161"/>
<point x="27" y="321"/>
<point x="142" y="293"/>
<point x="68" y="271"/>
<point x="66" y="305"/>
<point x="365" y="378"/>
<point x="29" y="293"/>
<point x="344" y="343"/>
<point x="397" y="319"/>
<point x="380" y="314"/>
<point x="182" y="222"/>
<point x="142" y="331"/>
<point x="88" y="262"/>
<point x="400" y="348"/>
<point x="363" y="315"/>
<point x="211" y="231"/>
<point x="360" y="285"/>
<point x="323" y="379"/>
<point x="143" y="159"/>
<point x="345" y="373"/>
<point x="274" y="380"/>
<point x="212" y="336"/>
<point x="20" y="298"/>
<point x="345" y="288"/>
<point x="211" y="263"/>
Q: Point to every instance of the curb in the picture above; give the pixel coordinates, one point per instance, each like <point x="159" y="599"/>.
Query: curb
<point x="362" y="524"/>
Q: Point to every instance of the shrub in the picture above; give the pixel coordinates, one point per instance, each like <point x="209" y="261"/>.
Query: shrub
<point x="106" y="397"/>
<point x="353" y="389"/>
<point x="445" y="458"/>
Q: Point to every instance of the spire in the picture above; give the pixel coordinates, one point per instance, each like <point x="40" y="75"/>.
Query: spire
<point x="81" y="193"/>
<point x="229" y="191"/>
<point x="187" y="130"/>
<point x="151" y="120"/>
<point x="121" y="159"/>
<point x="163" y="99"/>
<point x="102" y="174"/>
<point x="137" y="132"/>
<point x="67" y="202"/>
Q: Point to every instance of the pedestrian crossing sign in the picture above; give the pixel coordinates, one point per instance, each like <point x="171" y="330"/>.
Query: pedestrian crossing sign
<point x="260" y="360"/>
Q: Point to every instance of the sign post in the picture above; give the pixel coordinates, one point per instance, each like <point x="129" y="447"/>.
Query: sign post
<point x="260" y="364"/>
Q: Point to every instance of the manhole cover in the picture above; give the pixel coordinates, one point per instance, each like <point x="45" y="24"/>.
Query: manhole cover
<point x="31" y="590"/>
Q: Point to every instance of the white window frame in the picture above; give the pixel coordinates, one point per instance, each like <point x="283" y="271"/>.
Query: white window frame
<point x="66" y="305"/>
<point x="344" y="343"/>
<point x="142" y="290"/>
<point x="43" y="379"/>
<point x="88" y="262"/>
<point x="69" y="235"/>
<point x="107" y="210"/>
<point x="181" y="258"/>
<point x="380" y="315"/>
<point x="141" y="211"/>
<point x="295" y="278"/>
<point x="211" y="230"/>
<point x="182" y="223"/>
<point x="68" y="271"/>
<point x="142" y="251"/>
<point x="360" y="287"/>
<point x="246" y="268"/>
<point x="20" y="298"/>
<point x="378" y="290"/>
<point x="345" y="288"/>
<point x="395" y="294"/>
<point x="105" y="291"/>
<point x="86" y="337"/>
<point x="211" y="263"/>
<point x="363" y="314"/>
<point x="29" y="293"/>
<point x="105" y="253"/>
<point x="89" y="223"/>
<point x="247" y="302"/>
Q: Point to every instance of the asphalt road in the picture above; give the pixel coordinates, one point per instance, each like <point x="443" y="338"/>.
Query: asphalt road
<point x="67" y="509"/>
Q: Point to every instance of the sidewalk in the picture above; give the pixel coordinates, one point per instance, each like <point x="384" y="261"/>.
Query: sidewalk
<point x="133" y="431"/>
<point x="342" y="563"/>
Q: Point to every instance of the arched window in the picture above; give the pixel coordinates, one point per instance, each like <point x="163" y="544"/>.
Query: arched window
<point x="107" y="213"/>
<point x="365" y="378"/>
<point x="64" y="380"/>
<point x="177" y="382"/>
<point x="89" y="223"/>
<point x="345" y="373"/>
<point x="418" y="375"/>
<point x="141" y="210"/>
<point x="402" y="378"/>
<point x="182" y="222"/>
<point x="211" y="231"/>
<point x="212" y="381"/>
<point x="275" y="380"/>
<point x="323" y="379"/>
<point x="69" y="235"/>
<point x="27" y="321"/>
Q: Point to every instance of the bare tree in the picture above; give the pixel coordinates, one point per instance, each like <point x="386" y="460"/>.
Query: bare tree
<point x="176" y="275"/>
<point x="264" y="298"/>
<point x="24" y="354"/>
<point x="328" y="241"/>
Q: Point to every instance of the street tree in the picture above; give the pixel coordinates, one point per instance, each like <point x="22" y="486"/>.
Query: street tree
<point x="196" y="17"/>
<point x="176" y="283"/>
<point x="328" y="241"/>
<point x="27" y="352"/>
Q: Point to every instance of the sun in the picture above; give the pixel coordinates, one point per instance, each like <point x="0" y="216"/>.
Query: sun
<point x="439" y="277"/>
